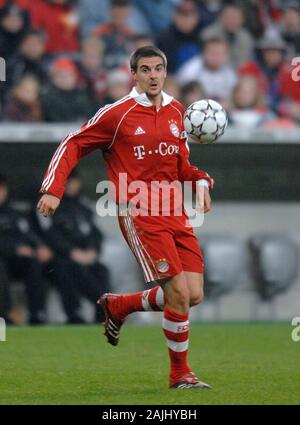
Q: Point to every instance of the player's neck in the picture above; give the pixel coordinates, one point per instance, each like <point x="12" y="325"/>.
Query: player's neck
<point x="155" y="100"/>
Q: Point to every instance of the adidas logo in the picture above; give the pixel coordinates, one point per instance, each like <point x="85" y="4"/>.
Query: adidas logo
<point x="139" y="130"/>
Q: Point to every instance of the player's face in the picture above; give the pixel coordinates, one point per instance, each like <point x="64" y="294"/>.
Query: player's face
<point x="150" y="75"/>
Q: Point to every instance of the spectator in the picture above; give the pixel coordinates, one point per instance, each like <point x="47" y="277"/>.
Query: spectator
<point x="141" y="40"/>
<point x="209" y="10"/>
<point x="158" y="13"/>
<point x="5" y="295"/>
<point x="92" y="13"/>
<point x="116" y="34"/>
<point x="24" y="254"/>
<point x="77" y="242"/>
<point x="60" y="21"/>
<point x="230" y="27"/>
<point x="24" y="102"/>
<point x="290" y="27"/>
<point x="270" y="69"/>
<point x="180" y="41"/>
<point x="191" y="92"/>
<point x="256" y="15"/>
<point x="248" y="108"/>
<point x="14" y="23"/>
<point x="62" y="100"/>
<point x="119" y="84"/>
<point x="211" y="70"/>
<point x="92" y="71"/>
<point x="29" y="59"/>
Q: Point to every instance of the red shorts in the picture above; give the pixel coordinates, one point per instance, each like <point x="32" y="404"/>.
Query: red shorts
<point x="163" y="246"/>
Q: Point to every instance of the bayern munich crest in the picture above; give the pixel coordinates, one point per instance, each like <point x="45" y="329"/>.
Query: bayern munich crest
<point x="174" y="129"/>
<point x="162" y="266"/>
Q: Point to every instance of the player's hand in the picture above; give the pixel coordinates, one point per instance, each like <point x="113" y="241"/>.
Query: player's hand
<point x="207" y="200"/>
<point x="204" y="200"/>
<point x="48" y="204"/>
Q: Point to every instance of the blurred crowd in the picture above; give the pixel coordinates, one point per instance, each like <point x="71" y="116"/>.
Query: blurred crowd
<point x="66" y="58"/>
<point x="62" y="253"/>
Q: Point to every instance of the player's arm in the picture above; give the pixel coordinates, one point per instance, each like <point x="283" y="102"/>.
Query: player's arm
<point x="97" y="133"/>
<point x="190" y="173"/>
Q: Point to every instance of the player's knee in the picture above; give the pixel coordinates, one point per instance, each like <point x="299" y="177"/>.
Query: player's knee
<point x="179" y="296"/>
<point x="196" y="298"/>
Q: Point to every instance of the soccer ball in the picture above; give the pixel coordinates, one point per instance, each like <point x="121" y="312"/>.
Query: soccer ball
<point x="205" y="121"/>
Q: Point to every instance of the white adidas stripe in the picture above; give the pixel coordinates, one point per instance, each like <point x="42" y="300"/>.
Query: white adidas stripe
<point x="135" y="249"/>
<point x="139" y="243"/>
<point x="148" y="255"/>
<point x="57" y="155"/>
<point x="160" y="298"/>
<point x="108" y="107"/>
<point x="53" y="161"/>
<point x="178" y="347"/>
<point x="120" y="122"/>
<point x="145" y="302"/>
<point x="92" y="120"/>
<point x="46" y="187"/>
<point x="59" y="152"/>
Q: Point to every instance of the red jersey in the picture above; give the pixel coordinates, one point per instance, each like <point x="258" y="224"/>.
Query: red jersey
<point x="147" y="144"/>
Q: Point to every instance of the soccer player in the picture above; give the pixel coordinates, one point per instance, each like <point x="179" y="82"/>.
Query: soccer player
<point x="142" y="136"/>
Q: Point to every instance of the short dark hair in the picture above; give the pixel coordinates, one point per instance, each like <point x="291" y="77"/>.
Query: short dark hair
<point x="146" y="52"/>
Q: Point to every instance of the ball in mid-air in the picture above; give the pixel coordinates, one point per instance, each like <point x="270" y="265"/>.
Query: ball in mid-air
<point x="205" y="121"/>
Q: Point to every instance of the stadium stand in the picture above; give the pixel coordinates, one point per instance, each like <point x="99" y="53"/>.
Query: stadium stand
<point x="275" y="264"/>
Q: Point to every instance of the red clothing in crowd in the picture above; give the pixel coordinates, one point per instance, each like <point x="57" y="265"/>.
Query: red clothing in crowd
<point x="288" y="87"/>
<point x="60" y="22"/>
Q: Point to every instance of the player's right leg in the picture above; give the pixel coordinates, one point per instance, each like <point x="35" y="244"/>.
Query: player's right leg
<point x="176" y="329"/>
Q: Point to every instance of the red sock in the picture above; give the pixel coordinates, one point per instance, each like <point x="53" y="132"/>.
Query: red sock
<point x="149" y="300"/>
<point x="176" y="329"/>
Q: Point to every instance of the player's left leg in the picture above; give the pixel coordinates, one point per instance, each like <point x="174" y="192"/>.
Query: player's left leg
<point x="195" y="285"/>
<point x="176" y="327"/>
<point x="153" y="299"/>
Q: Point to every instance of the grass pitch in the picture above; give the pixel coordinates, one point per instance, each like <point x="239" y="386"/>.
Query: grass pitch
<point x="245" y="364"/>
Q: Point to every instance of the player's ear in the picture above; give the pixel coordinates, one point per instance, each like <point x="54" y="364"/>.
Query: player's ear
<point x="133" y="73"/>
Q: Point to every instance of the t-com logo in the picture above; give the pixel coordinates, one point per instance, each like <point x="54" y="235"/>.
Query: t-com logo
<point x="163" y="150"/>
<point x="296" y="330"/>
<point x="2" y="330"/>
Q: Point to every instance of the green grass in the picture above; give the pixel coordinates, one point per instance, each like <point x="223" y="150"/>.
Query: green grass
<point x="245" y="364"/>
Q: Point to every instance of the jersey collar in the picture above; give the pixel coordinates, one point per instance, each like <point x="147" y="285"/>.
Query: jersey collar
<point x="143" y="100"/>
